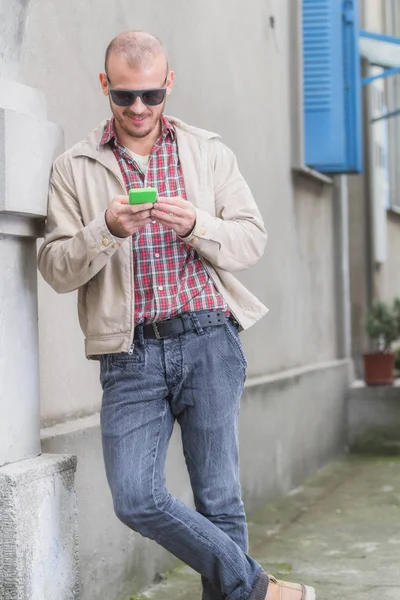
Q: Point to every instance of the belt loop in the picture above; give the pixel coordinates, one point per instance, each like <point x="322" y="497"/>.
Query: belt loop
<point x="196" y="323"/>
<point x="140" y="334"/>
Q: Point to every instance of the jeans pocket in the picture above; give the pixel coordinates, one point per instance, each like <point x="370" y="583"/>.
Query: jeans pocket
<point x="128" y="362"/>
<point x="233" y="335"/>
<point x="113" y="366"/>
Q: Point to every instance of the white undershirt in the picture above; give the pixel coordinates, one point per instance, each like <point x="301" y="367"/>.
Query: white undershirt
<point x="142" y="161"/>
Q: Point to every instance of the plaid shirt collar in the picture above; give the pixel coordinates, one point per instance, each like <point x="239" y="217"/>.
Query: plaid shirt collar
<point x="110" y="134"/>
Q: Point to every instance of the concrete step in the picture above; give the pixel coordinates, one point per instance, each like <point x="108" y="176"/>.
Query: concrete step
<point x="373" y="419"/>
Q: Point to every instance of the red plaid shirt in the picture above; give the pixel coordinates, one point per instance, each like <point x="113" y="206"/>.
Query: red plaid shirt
<point x="169" y="276"/>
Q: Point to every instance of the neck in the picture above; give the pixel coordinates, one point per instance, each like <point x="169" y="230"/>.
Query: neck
<point x="142" y="146"/>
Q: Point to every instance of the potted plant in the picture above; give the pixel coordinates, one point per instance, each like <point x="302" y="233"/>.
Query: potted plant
<point x="382" y="329"/>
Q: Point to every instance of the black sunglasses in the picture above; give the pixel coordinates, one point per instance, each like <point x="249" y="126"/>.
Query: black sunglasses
<point x="128" y="97"/>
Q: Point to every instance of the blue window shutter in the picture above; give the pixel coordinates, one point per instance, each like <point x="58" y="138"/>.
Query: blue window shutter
<point x="332" y="86"/>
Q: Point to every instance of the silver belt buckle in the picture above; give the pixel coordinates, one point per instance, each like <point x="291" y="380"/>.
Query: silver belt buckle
<point x="156" y="331"/>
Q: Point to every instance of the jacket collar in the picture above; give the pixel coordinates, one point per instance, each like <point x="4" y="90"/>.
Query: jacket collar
<point x="109" y="131"/>
<point x="91" y="147"/>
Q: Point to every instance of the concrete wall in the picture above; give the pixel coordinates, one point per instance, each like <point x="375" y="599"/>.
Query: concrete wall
<point x="233" y="75"/>
<point x="388" y="277"/>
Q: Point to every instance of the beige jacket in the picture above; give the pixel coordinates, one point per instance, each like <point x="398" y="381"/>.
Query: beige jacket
<point x="79" y="252"/>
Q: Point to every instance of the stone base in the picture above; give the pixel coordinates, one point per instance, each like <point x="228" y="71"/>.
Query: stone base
<point x="38" y="530"/>
<point x="373" y="419"/>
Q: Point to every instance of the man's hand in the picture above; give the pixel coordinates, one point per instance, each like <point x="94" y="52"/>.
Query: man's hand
<point x="176" y="213"/>
<point x="124" y="219"/>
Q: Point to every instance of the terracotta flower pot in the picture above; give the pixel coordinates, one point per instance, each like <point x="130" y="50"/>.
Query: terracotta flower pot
<point x="379" y="369"/>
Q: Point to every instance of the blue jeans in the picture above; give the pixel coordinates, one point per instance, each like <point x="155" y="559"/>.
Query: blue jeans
<point x="196" y="378"/>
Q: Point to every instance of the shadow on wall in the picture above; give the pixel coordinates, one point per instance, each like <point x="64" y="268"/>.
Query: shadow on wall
<point x="12" y="28"/>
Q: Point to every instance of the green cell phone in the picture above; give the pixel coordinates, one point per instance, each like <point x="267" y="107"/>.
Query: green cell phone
<point x="142" y="195"/>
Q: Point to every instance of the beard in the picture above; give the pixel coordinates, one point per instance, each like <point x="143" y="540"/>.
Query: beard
<point x="138" y="132"/>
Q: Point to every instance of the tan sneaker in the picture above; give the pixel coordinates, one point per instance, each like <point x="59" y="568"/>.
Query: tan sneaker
<point x="283" y="590"/>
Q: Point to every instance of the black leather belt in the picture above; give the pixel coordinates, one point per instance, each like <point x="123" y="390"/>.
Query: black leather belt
<point x="179" y="325"/>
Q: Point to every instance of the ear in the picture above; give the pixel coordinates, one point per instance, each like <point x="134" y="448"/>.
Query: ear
<point x="104" y="83"/>
<point x="170" y="82"/>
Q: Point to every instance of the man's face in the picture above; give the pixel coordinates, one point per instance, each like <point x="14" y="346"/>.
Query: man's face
<point x="138" y="120"/>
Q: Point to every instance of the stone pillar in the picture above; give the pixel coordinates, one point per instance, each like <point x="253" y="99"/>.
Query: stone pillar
<point x="38" y="525"/>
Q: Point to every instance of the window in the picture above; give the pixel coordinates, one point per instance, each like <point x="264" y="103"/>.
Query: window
<point x="331" y="86"/>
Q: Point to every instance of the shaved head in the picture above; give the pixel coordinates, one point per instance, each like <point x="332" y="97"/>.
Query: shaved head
<point x="136" y="64"/>
<point x="137" y="48"/>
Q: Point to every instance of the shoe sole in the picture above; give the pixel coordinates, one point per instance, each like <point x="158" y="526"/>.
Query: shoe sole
<point x="310" y="593"/>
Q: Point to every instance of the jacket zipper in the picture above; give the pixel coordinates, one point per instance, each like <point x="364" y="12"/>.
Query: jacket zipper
<point x="132" y="346"/>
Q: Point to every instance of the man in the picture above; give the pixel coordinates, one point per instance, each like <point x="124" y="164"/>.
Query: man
<point x="161" y="310"/>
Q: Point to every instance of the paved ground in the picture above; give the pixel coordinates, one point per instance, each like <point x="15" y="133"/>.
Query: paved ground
<point x="340" y="533"/>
